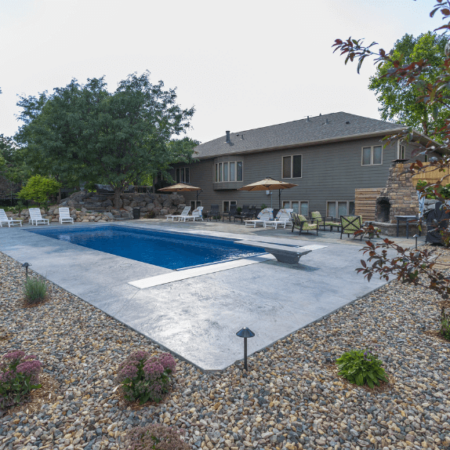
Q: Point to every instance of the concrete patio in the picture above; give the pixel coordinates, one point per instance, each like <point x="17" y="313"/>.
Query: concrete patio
<point x="197" y="318"/>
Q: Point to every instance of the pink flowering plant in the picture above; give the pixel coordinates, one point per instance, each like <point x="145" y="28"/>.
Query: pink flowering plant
<point x="144" y="377"/>
<point x="19" y="375"/>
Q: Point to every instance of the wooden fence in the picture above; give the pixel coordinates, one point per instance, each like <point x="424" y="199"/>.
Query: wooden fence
<point x="431" y="174"/>
<point x="366" y="202"/>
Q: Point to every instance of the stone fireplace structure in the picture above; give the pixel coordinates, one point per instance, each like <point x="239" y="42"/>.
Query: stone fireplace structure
<point x="398" y="198"/>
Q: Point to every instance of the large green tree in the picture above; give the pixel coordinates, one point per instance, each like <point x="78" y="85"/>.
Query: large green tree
<point x="402" y="102"/>
<point x="86" y="133"/>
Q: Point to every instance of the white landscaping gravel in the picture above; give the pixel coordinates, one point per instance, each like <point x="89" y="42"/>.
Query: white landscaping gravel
<point x="291" y="397"/>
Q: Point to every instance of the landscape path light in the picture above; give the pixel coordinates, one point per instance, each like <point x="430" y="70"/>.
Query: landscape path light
<point x="245" y="333"/>
<point x="26" y="265"/>
<point x="415" y="237"/>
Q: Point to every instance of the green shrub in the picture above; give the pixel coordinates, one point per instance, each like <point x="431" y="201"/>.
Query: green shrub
<point x="155" y="436"/>
<point x="35" y="290"/>
<point x="19" y="375"/>
<point x="445" y="328"/>
<point x="361" y="367"/>
<point x="38" y="189"/>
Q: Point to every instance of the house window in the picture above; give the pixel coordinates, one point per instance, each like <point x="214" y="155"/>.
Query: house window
<point x="182" y="175"/>
<point x="425" y="158"/>
<point x="337" y="209"/>
<point x="372" y="156"/>
<point x="401" y="152"/>
<point x="226" y="204"/>
<point x="195" y="204"/>
<point x="301" y="207"/>
<point x="228" y="171"/>
<point x="291" y="166"/>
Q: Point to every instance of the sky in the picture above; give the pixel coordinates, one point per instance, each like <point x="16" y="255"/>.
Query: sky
<point x="242" y="64"/>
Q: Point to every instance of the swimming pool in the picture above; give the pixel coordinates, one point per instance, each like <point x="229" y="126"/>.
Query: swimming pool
<point x="160" y="248"/>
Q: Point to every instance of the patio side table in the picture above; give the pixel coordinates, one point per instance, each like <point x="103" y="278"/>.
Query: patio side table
<point x="405" y="219"/>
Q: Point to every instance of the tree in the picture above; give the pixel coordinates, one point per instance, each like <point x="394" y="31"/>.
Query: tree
<point x="85" y="133"/>
<point x="400" y="101"/>
<point x="416" y="267"/>
<point x="38" y="189"/>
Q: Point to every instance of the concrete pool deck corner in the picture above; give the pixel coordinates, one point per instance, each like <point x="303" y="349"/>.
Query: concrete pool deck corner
<point x="197" y="317"/>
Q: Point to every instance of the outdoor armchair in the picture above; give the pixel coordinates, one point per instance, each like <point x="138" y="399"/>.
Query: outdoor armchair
<point x="350" y="224"/>
<point x="246" y="213"/>
<point x="231" y="213"/>
<point x="324" y="222"/>
<point x="214" y="212"/>
<point x="300" y="223"/>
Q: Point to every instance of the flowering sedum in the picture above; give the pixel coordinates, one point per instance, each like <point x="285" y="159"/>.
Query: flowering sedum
<point x="145" y="377"/>
<point x="19" y="374"/>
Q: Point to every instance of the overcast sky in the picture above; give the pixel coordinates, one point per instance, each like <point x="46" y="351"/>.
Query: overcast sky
<point x="243" y="64"/>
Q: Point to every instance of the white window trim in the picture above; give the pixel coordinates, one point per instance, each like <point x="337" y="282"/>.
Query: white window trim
<point x="371" y="155"/>
<point x="229" y="201"/>
<point x="337" y="206"/>
<point x="296" y="201"/>
<point x="292" y="166"/>
<point x="401" y="144"/>
<point x="217" y="170"/>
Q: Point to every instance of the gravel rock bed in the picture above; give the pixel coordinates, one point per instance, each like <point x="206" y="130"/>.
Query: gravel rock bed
<point x="291" y="398"/>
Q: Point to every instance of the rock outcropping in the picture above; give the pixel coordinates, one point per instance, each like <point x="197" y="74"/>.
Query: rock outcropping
<point x="92" y="207"/>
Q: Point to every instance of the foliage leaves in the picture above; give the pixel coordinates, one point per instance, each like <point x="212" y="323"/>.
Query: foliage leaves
<point x="38" y="189"/>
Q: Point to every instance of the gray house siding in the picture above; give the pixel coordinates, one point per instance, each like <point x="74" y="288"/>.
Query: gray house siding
<point x="330" y="172"/>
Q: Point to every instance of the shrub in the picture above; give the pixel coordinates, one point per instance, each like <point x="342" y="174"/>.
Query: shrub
<point x="144" y="377"/>
<point x="151" y="214"/>
<point x="154" y="436"/>
<point x="39" y="189"/>
<point x="361" y="367"/>
<point x="35" y="290"/>
<point x="19" y="374"/>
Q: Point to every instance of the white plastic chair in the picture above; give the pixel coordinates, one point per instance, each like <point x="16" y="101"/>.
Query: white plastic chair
<point x="5" y="219"/>
<point x="283" y="218"/>
<point x="184" y="213"/>
<point x="196" y="214"/>
<point x="265" y="215"/>
<point x="64" y="216"/>
<point x="36" y="217"/>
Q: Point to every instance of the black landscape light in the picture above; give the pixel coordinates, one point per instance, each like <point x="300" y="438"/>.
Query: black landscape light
<point x="415" y="237"/>
<point x="26" y="265"/>
<point x="245" y="333"/>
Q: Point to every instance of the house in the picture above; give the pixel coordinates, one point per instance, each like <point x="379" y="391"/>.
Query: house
<point x="327" y="157"/>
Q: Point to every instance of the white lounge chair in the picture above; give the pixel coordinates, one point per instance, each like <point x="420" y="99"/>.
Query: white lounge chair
<point x="5" y="219"/>
<point x="265" y="215"/>
<point x="36" y="217"/>
<point x="184" y="213"/>
<point x="283" y="218"/>
<point x="196" y="214"/>
<point x="64" y="216"/>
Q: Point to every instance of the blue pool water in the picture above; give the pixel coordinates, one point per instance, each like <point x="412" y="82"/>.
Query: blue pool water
<point x="169" y="250"/>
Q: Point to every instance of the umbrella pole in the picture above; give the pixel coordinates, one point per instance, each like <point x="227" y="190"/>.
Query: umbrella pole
<point x="279" y="198"/>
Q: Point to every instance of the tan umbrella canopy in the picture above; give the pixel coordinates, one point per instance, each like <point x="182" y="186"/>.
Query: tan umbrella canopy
<point x="268" y="184"/>
<point x="181" y="187"/>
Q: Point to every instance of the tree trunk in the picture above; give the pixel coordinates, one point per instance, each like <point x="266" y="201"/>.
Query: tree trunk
<point x="117" y="199"/>
<point x="58" y="200"/>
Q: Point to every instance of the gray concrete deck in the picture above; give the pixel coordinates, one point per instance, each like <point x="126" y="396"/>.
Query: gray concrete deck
<point x="198" y="318"/>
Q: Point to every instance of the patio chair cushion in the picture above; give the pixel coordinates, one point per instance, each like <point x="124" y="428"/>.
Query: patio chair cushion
<point x="306" y="225"/>
<point x="350" y="224"/>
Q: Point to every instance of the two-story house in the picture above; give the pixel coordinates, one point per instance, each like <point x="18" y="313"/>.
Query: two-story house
<point x="327" y="157"/>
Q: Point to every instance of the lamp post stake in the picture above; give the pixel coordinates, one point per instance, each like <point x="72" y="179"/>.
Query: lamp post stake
<point x="245" y="333"/>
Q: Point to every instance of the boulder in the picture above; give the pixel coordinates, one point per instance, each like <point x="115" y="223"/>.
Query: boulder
<point x="181" y="206"/>
<point x="126" y="202"/>
<point x="176" y="199"/>
<point x="164" y="211"/>
<point x="128" y="208"/>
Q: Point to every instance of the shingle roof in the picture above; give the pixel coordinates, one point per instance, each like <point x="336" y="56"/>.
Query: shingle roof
<point x="336" y="126"/>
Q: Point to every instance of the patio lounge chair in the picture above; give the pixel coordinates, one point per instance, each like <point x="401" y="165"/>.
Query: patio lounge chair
<point x="325" y="221"/>
<point x="231" y="213"/>
<point x="350" y="224"/>
<point x="264" y="216"/>
<point x="5" y="219"/>
<point x="300" y="223"/>
<point x="283" y="218"/>
<point x="36" y="217"/>
<point x="214" y="212"/>
<point x="184" y="213"/>
<point x="196" y="214"/>
<point x="64" y="216"/>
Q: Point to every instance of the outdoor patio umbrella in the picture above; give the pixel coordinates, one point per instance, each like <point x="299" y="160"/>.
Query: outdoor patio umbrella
<point x="268" y="184"/>
<point x="181" y="187"/>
